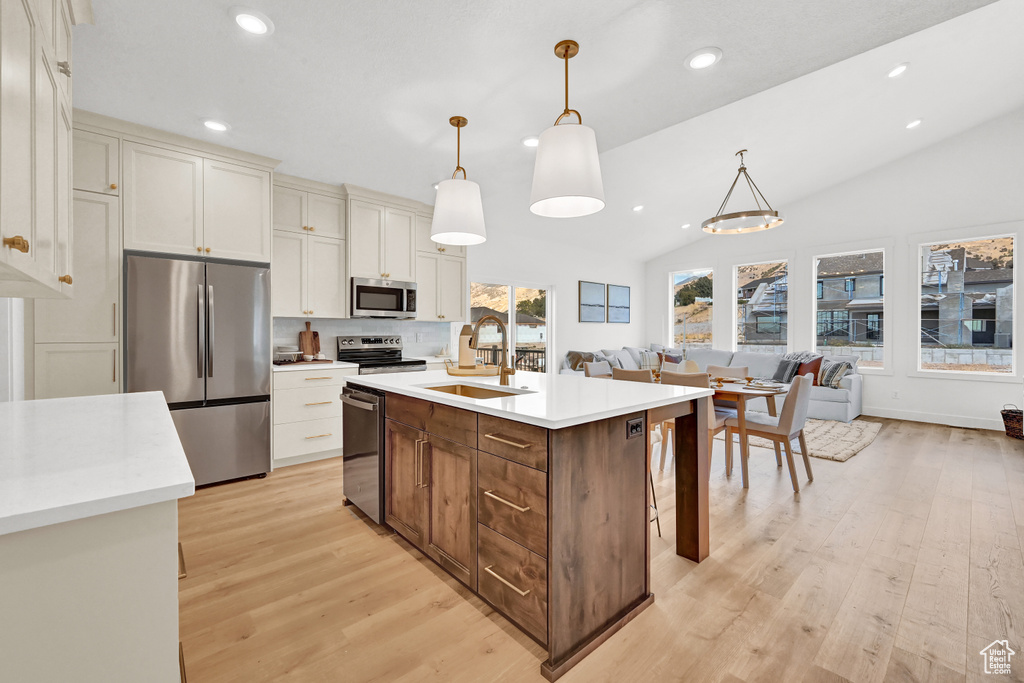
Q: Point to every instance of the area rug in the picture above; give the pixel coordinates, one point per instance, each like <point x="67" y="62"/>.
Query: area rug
<point x="830" y="439"/>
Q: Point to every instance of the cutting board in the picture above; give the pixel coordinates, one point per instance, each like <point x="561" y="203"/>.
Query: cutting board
<point x="309" y="342"/>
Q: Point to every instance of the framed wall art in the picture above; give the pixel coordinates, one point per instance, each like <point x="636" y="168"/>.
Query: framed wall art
<point x="592" y="303"/>
<point x="618" y="304"/>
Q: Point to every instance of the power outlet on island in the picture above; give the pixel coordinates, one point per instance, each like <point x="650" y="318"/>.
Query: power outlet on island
<point x="634" y="428"/>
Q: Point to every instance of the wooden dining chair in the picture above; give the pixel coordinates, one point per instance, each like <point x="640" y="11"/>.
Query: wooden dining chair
<point x="598" y="369"/>
<point x="687" y="367"/>
<point x="633" y="375"/>
<point x="716" y="415"/>
<point x="727" y="371"/>
<point x="781" y="429"/>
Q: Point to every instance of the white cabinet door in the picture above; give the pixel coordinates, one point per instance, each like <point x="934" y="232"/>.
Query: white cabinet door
<point x="288" y="275"/>
<point x="451" y="297"/>
<point x="424" y="243"/>
<point x="65" y="235"/>
<point x="96" y="162"/>
<point x="236" y="211"/>
<point x="64" y="370"/>
<point x="163" y="200"/>
<point x="91" y="316"/>
<point x="399" y="245"/>
<point x="63" y="44"/>
<point x="47" y="94"/>
<point x="326" y="277"/>
<point x="289" y="210"/>
<point x="326" y="215"/>
<point x="17" y="69"/>
<point x="426" y="287"/>
<point x="366" y="239"/>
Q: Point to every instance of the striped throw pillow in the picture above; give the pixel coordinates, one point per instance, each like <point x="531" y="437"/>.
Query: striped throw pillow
<point x="649" y="360"/>
<point x="832" y="372"/>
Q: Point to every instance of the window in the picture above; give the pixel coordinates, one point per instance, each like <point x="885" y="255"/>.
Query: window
<point x="761" y="299"/>
<point x="966" y="307"/>
<point x="691" y="310"/>
<point x="528" y="335"/>
<point x="850" y="306"/>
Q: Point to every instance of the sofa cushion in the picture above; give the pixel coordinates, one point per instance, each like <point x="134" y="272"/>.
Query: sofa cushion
<point x="786" y="370"/>
<point x="758" y="364"/>
<point x="811" y="366"/>
<point x="838" y="358"/>
<point x="623" y="358"/>
<point x="611" y="360"/>
<point x="649" y="360"/>
<point x="634" y="352"/>
<point x="829" y="394"/>
<point x="706" y="357"/>
<point x="832" y="373"/>
<point x="574" y="360"/>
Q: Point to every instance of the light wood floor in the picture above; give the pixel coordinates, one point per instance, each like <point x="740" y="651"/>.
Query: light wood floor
<point x="898" y="565"/>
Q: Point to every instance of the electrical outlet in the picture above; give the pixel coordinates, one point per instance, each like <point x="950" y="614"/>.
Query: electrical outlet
<point x="634" y="427"/>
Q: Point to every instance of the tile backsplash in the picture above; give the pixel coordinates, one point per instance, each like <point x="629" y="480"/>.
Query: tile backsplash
<point x="418" y="338"/>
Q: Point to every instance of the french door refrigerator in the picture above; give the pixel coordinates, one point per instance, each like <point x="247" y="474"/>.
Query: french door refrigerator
<point x="199" y="331"/>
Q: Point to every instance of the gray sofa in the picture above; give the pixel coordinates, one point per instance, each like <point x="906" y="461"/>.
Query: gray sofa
<point x="843" y="404"/>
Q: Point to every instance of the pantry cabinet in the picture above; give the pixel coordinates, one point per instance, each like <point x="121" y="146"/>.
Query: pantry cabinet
<point x="63" y="370"/>
<point x="308" y="275"/>
<point x="382" y="241"/>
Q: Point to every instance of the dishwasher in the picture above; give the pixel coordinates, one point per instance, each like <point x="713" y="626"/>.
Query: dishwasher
<point x="363" y="450"/>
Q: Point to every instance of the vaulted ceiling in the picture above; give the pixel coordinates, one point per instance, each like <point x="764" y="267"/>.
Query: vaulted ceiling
<point x="362" y="92"/>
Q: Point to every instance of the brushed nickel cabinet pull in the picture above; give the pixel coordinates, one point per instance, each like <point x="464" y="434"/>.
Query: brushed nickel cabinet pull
<point x="490" y="494"/>
<point x="522" y="593"/>
<point x="318" y="436"/>
<point x="320" y="403"/>
<point x="312" y="378"/>
<point x="507" y="441"/>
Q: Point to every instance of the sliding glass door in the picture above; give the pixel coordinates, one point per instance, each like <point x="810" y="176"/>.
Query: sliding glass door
<point x="528" y="331"/>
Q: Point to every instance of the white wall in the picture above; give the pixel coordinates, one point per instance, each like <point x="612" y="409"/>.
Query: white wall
<point x="12" y="350"/>
<point x="965" y="186"/>
<point x="511" y="257"/>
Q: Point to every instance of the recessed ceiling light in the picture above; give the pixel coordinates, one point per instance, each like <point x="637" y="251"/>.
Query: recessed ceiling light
<point x="252" y="21"/>
<point x="914" y="124"/>
<point x="638" y="208"/>
<point x="685" y="226"/>
<point x="436" y="184"/>
<point x="531" y="141"/>
<point x="898" y="70"/>
<point x="703" y="58"/>
<point x="215" y="125"/>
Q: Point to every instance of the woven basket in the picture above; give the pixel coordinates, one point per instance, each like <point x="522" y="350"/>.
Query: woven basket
<point x="1013" y="421"/>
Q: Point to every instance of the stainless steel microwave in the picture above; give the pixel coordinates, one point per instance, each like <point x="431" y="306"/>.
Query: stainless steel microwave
<point x="372" y="298"/>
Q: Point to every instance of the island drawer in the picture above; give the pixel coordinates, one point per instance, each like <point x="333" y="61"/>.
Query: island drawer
<point x="447" y="422"/>
<point x="516" y="441"/>
<point x="514" y="581"/>
<point x="512" y="499"/>
<point x="307" y="403"/>
<point x="299" y="379"/>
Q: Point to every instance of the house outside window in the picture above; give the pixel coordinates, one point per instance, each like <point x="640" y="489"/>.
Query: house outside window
<point x="849" y="306"/>
<point x="762" y="297"/>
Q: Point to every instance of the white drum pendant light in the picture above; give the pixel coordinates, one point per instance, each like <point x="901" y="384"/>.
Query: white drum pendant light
<point x="458" y="212"/>
<point x="739" y="222"/>
<point x="567" y="172"/>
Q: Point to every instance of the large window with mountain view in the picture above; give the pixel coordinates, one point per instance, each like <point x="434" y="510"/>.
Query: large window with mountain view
<point x="762" y="295"/>
<point x="528" y="331"/>
<point x="966" y="306"/>
<point x="692" y="303"/>
<point x="849" y="306"/>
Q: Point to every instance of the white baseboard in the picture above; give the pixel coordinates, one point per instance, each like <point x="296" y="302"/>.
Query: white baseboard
<point x="950" y="420"/>
<point x="308" y="457"/>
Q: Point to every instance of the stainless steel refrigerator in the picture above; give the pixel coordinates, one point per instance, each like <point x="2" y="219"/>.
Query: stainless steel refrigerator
<point x="199" y="331"/>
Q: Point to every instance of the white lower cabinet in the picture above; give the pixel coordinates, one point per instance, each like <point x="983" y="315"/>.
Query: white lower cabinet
<point x="64" y="370"/>
<point x="307" y="414"/>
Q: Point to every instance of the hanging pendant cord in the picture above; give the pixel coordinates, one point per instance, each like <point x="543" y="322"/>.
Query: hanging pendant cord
<point x="458" y="154"/>
<point x="567" y="111"/>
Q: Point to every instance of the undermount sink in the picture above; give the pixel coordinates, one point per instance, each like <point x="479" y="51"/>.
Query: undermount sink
<point x="477" y="391"/>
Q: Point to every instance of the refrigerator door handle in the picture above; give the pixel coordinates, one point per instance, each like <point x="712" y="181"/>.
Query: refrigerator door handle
<point x="201" y="327"/>
<point x="210" y="327"/>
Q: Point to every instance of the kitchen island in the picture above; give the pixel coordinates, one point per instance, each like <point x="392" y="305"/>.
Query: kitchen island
<point x="88" y="539"/>
<point x="536" y="495"/>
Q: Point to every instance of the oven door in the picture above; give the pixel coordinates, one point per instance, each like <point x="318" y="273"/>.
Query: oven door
<point x="383" y="298"/>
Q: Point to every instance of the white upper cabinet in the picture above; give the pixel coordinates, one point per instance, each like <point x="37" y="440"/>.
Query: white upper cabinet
<point x="163" y="200"/>
<point x="96" y="162"/>
<point x="399" y="247"/>
<point x="365" y="239"/>
<point x="425" y="244"/>
<point x="47" y="94"/>
<point x="426" y="287"/>
<point x="92" y="315"/>
<point x="326" y="277"/>
<point x="290" y="210"/>
<point x="326" y="215"/>
<point x="451" y="288"/>
<point x="236" y="211"/>
<point x="288" y="275"/>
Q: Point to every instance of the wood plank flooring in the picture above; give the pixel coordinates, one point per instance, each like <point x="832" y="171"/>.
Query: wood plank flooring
<point x="897" y="565"/>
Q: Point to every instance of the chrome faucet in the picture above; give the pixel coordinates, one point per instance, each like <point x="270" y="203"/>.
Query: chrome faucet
<point x="503" y="368"/>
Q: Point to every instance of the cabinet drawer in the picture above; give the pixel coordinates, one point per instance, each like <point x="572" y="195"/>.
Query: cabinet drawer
<point x="515" y="581"/>
<point x="516" y="441"/>
<point x="296" y="379"/>
<point x="450" y="423"/>
<point x="307" y="403"/>
<point x="513" y="500"/>
<point x="301" y="438"/>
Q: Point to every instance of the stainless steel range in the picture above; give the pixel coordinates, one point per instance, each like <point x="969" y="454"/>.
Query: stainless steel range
<point x="377" y="355"/>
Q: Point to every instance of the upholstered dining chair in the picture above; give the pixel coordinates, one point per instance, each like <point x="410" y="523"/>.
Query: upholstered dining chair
<point x="598" y="369"/>
<point x="716" y="415"/>
<point x="633" y="375"/>
<point x="687" y="366"/>
<point x="781" y="429"/>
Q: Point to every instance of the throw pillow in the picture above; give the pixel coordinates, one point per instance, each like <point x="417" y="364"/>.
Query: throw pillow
<point x="611" y="360"/>
<point x="649" y="360"/>
<point x="786" y="371"/>
<point x="832" y="373"/>
<point x="624" y="358"/>
<point x="575" y="359"/>
<point x="811" y="366"/>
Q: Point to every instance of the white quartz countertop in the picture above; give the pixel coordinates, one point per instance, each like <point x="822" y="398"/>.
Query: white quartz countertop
<point x="333" y="365"/>
<point x="553" y="401"/>
<point x="69" y="458"/>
